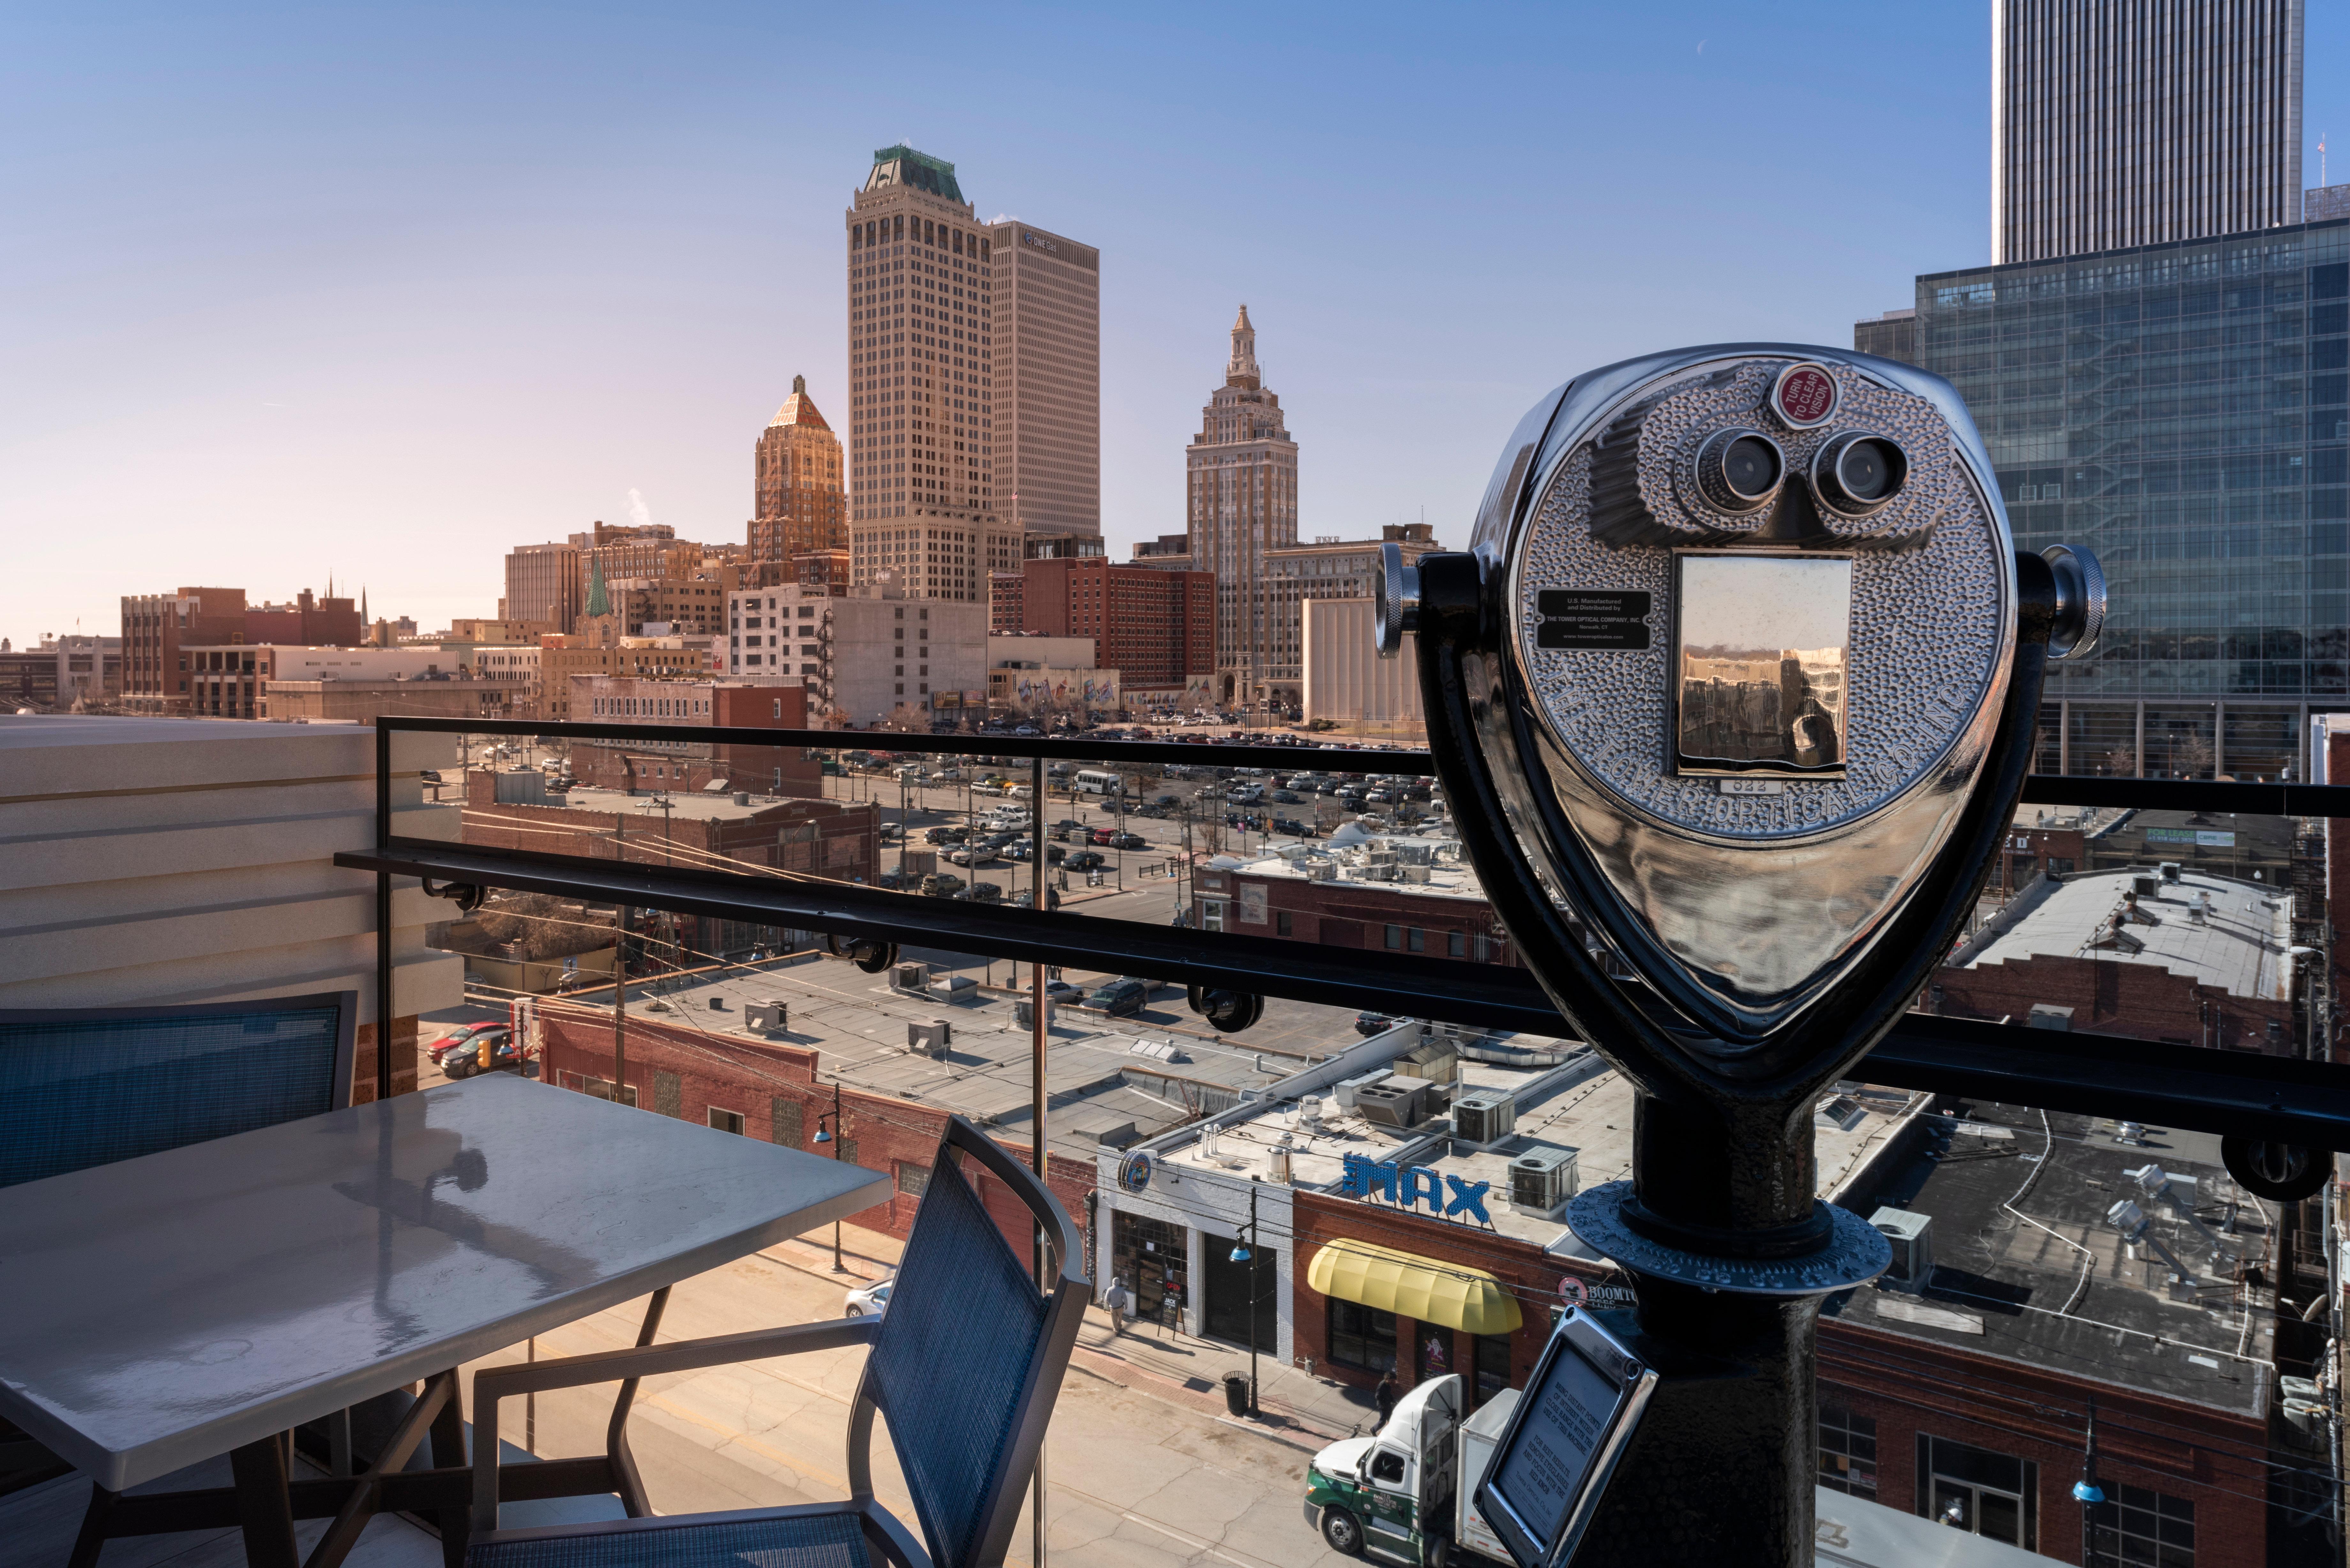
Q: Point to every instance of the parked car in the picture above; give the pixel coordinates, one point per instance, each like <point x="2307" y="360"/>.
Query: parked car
<point x="891" y="833"/>
<point x="941" y="885"/>
<point x="1084" y="860"/>
<point x="1287" y="798"/>
<point x="1379" y="797"/>
<point x="1371" y="1023"/>
<point x="1294" y="827"/>
<point x="1102" y="836"/>
<point x="892" y="879"/>
<point x="945" y="835"/>
<point x="1127" y="841"/>
<point x="1062" y="992"/>
<point x="982" y="893"/>
<point x="1027" y="898"/>
<point x="873" y="1300"/>
<point x="455" y="1038"/>
<point x="971" y="854"/>
<point x="1121" y="998"/>
<point x="465" y="1063"/>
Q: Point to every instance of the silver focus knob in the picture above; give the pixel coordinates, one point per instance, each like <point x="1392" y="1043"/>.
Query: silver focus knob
<point x="1395" y="601"/>
<point x="2080" y="601"/>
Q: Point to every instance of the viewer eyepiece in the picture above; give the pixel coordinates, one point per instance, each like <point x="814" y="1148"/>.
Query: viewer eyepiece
<point x="1858" y="472"/>
<point x="1739" y="470"/>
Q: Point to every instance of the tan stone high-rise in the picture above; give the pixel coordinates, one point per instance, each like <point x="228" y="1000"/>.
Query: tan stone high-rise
<point x="797" y="500"/>
<point x="1241" y="505"/>
<point x="975" y="358"/>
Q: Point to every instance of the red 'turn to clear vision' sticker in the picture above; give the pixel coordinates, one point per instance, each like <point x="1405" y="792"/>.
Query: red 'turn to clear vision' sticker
<point x="1804" y="395"/>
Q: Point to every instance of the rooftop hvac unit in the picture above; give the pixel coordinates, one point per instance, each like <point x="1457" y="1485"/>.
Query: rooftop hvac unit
<point x="2147" y="886"/>
<point x="1415" y="873"/>
<point x="1483" y="1120"/>
<point x="2169" y="870"/>
<point x="1912" y="1236"/>
<point x="1541" y="1182"/>
<point x="1395" y="1103"/>
<point x="929" y="1037"/>
<point x="2046" y="1015"/>
<point x="910" y="977"/>
<point x="1322" y="871"/>
<point x="1349" y="1087"/>
<point x="772" y="1014"/>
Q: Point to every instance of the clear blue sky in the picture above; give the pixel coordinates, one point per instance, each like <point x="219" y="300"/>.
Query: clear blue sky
<point x="286" y="291"/>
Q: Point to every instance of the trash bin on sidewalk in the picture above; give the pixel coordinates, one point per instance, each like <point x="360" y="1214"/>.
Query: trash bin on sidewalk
<point x="1237" y="1393"/>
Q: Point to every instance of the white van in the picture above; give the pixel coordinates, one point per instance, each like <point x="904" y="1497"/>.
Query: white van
<point x="1098" y="781"/>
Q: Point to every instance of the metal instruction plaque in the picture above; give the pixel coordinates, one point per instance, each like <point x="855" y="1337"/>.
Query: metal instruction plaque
<point x="1552" y="1464"/>
<point x="1762" y="656"/>
<point x="1596" y="619"/>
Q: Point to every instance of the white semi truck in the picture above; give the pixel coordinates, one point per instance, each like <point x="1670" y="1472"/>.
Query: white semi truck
<point x="1405" y="1490"/>
<point x="1404" y="1494"/>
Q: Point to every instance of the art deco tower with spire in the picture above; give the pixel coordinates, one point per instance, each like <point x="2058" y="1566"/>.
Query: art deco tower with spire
<point x="799" y="499"/>
<point x="1242" y="501"/>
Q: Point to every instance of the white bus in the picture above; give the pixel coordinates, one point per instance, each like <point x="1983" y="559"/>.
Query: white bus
<point x="1096" y="781"/>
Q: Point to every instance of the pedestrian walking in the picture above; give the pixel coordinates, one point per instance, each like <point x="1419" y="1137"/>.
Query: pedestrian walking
<point x="1117" y="1299"/>
<point x="1387" y="1392"/>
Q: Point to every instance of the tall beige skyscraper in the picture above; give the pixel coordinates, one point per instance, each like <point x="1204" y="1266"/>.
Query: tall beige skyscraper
<point x="2117" y="123"/>
<point x="1241" y="480"/>
<point x="974" y="372"/>
<point x="1048" y="408"/>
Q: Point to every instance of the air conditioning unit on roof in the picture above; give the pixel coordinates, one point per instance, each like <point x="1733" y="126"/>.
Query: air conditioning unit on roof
<point x="1542" y="1181"/>
<point x="1484" y="1120"/>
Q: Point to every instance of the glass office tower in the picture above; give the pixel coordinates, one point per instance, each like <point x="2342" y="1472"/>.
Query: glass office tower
<point x="2178" y="409"/>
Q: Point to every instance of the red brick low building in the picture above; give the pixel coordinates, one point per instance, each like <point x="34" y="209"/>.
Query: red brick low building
<point x="771" y="1091"/>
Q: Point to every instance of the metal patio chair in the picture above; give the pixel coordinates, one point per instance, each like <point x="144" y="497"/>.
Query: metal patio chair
<point x="965" y="1364"/>
<point x="87" y="1087"/>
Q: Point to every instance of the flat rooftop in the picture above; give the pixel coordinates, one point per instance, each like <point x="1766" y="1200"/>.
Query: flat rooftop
<point x="1099" y="1087"/>
<point x="1423" y="865"/>
<point x="2025" y="1266"/>
<point x="1572" y="1101"/>
<point x="2240" y="948"/>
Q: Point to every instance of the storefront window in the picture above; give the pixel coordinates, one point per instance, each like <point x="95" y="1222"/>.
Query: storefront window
<point x="1492" y="1365"/>
<point x="1847" y="1451"/>
<point x="1150" y="1256"/>
<point x="1978" y="1491"/>
<point x="1362" y="1337"/>
<point x="1230" y="1288"/>
<point x="1435" y="1356"/>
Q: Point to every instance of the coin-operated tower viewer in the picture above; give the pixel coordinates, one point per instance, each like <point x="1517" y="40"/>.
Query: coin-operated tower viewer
<point x="1738" y="680"/>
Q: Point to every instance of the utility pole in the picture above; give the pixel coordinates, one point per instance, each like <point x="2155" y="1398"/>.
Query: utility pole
<point x="1256" y="1253"/>
<point x="621" y="973"/>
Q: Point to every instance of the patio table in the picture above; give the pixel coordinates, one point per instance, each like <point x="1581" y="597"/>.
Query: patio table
<point x="209" y="1298"/>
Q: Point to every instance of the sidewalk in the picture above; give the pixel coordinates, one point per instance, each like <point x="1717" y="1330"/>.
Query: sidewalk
<point x="1304" y="1412"/>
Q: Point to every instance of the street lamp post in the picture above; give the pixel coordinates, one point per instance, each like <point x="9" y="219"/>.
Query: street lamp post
<point x="823" y="1135"/>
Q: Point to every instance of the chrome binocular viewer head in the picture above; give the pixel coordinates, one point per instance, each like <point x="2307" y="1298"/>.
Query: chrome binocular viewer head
<point x="1742" y="666"/>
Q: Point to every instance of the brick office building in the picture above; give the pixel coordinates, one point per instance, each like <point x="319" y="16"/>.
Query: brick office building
<point x="158" y="629"/>
<point x="642" y="766"/>
<point x="770" y="1091"/>
<point x="1157" y="629"/>
<point x="1349" y="902"/>
<point x="836" y="840"/>
<point x="2202" y="960"/>
<point x="1963" y="1384"/>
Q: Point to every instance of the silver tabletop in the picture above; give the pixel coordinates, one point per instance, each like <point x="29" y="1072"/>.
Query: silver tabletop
<point x="164" y="1310"/>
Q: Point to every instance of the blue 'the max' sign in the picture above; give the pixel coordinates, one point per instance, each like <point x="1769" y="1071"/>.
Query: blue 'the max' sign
<point x="1412" y="1185"/>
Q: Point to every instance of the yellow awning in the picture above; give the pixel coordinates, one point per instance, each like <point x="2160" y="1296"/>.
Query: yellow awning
<point x="1453" y="1294"/>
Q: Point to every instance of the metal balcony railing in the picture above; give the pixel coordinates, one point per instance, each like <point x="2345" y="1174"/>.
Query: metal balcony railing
<point x="2229" y="1093"/>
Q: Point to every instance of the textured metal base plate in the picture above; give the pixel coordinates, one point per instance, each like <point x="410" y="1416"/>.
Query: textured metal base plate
<point x="1857" y="1252"/>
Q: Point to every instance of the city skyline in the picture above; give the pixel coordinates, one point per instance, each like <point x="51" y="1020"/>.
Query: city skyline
<point x="316" y="314"/>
